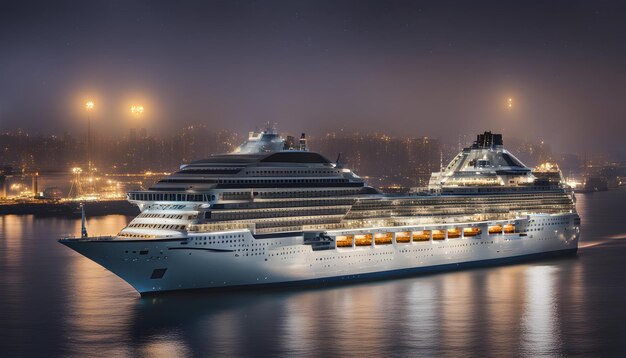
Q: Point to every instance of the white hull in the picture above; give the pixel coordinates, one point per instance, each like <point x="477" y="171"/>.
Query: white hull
<point x="238" y="259"/>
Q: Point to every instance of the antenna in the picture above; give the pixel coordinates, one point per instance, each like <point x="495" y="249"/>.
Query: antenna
<point x="441" y="160"/>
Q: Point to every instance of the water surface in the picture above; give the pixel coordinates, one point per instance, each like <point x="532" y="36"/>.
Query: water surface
<point x="54" y="302"/>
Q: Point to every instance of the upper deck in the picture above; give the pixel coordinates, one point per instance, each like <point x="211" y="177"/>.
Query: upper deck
<point x="287" y="190"/>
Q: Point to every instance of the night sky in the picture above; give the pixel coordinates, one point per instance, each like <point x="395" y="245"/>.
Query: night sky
<point x="403" y="67"/>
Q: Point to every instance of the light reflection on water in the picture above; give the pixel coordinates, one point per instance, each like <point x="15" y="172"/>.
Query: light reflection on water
<point x="94" y="318"/>
<point x="54" y="302"/>
<point x="540" y="335"/>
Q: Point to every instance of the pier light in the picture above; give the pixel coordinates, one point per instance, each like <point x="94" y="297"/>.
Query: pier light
<point x="89" y="106"/>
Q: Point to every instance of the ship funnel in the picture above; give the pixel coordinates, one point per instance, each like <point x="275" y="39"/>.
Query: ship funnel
<point x="303" y="142"/>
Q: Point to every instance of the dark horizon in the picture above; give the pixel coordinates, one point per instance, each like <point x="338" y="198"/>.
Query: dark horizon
<point x="436" y="69"/>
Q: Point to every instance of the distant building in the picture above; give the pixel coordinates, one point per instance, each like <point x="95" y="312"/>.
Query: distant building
<point x="383" y="159"/>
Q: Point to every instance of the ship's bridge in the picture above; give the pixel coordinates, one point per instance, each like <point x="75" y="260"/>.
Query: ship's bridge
<point x="485" y="163"/>
<point x="259" y="142"/>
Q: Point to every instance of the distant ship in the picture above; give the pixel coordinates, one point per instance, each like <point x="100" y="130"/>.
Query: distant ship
<point x="594" y="184"/>
<point x="272" y="213"/>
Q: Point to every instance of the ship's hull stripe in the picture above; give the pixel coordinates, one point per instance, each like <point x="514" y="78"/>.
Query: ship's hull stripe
<point x="198" y="248"/>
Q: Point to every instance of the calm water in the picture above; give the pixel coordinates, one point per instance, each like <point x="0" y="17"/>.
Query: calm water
<point x="54" y="302"/>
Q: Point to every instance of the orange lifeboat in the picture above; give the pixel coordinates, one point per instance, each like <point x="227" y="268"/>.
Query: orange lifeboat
<point x="344" y="240"/>
<point x="471" y="231"/>
<point x="423" y="235"/>
<point x="383" y="238"/>
<point x="454" y="233"/>
<point x="363" y="240"/>
<point x="439" y="235"/>
<point x="403" y="236"/>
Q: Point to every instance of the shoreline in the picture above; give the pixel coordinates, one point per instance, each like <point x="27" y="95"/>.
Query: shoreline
<point x="70" y="209"/>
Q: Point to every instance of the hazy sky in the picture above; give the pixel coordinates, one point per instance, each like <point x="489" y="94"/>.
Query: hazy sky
<point x="404" y="67"/>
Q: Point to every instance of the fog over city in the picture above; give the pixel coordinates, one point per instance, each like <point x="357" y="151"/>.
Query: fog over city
<point x="536" y="71"/>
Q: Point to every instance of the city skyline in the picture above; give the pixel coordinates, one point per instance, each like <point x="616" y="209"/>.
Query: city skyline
<point x="376" y="155"/>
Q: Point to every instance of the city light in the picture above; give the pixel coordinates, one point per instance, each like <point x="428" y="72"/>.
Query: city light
<point x="510" y="103"/>
<point x="89" y="105"/>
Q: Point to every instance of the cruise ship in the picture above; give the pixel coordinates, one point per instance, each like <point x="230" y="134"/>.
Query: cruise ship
<point x="272" y="213"/>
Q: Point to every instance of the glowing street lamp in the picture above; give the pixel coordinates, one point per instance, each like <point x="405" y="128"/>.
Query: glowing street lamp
<point x="89" y="105"/>
<point x="510" y="103"/>
<point x="136" y="110"/>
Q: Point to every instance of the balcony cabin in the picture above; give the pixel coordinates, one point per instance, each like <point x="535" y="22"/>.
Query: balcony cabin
<point x="423" y="235"/>
<point x="344" y="240"/>
<point x="439" y="234"/>
<point x="383" y="238"/>
<point x="363" y="239"/>
<point x="454" y="233"/>
<point x="509" y="229"/>
<point x="471" y="231"/>
<point x="403" y="237"/>
<point x="496" y="229"/>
